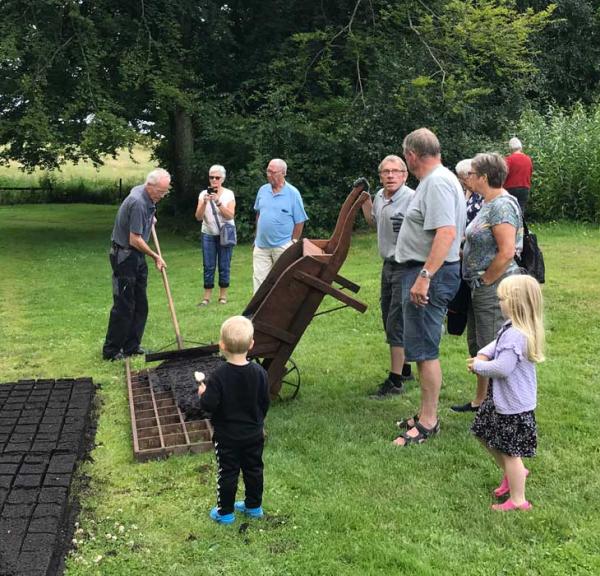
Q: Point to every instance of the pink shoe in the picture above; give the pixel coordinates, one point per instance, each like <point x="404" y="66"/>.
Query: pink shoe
<point x="510" y="505"/>
<point x="504" y="488"/>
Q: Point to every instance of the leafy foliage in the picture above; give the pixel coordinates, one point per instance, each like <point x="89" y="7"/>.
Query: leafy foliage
<point x="331" y="87"/>
<point x="565" y="148"/>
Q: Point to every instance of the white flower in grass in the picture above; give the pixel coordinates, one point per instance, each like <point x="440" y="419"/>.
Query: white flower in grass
<point x="98" y="558"/>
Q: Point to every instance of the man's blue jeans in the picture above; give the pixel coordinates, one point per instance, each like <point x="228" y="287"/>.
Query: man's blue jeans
<point x="213" y="252"/>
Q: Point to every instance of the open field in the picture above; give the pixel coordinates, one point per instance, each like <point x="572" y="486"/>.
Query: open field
<point x="340" y="498"/>
<point x="81" y="180"/>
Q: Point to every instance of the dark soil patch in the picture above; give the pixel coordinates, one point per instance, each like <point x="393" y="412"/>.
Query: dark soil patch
<point x="46" y="427"/>
<point x="177" y="375"/>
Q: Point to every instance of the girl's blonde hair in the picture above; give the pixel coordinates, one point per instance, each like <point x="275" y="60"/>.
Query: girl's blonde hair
<point x="237" y="333"/>
<point x="522" y="297"/>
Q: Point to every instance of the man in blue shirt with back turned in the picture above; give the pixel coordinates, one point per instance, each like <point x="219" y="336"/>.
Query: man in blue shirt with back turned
<point x="280" y="218"/>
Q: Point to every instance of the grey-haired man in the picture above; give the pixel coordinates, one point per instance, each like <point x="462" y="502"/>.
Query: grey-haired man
<point x="428" y="250"/>
<point x="386" y="213"/>
<point x="130" y="236"/>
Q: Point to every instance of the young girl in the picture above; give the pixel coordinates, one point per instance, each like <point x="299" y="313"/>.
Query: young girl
<point x="505" y="423"/>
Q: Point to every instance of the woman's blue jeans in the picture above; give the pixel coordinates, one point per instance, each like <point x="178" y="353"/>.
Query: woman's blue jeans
<point x="213" y="252"/>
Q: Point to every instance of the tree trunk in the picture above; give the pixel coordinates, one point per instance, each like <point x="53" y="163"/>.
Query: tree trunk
<point x="183" y="156"/>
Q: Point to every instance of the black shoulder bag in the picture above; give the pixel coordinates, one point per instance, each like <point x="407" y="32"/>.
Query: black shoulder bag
<point x="531" y="260"/>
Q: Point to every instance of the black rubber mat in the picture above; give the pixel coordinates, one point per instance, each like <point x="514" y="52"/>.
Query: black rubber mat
<point x="45" y="428"/>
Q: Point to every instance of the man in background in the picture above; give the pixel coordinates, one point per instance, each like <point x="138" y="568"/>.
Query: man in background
<point x="520" y="169"/>
<point x="280" y="218"/>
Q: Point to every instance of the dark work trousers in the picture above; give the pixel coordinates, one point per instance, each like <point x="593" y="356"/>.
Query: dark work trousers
<point x="522" y="195"/>
<point x="230" y="458"/>
<point x="130" y="304"/>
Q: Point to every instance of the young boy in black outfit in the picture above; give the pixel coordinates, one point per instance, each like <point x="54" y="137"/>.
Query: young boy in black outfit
<point x="237" y="396"/>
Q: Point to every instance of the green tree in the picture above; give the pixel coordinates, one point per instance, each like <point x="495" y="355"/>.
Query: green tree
<point x="568" y="54"/>
<point x="331" y="87"/>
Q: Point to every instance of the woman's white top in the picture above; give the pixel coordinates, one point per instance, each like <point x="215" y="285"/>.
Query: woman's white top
<point x="209" y="226"/>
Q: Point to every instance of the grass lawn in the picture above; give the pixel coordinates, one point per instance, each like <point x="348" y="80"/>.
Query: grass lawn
<point x="340" y="499"/>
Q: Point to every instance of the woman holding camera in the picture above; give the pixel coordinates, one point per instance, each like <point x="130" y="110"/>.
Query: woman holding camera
<point x="216" y="205"/>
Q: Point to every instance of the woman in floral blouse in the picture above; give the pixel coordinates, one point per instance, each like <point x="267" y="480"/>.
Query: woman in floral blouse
<point x="492" y="239"/>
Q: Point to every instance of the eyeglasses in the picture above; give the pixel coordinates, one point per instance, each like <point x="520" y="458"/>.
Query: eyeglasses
<point x="162" y="191"/>
<point x="215" y="177"/>
<point x="472" y="173"/>
<point x="393" y="172"/>
<point x="274" y="171"/>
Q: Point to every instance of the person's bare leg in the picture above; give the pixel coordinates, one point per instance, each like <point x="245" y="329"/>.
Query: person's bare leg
<point x="481" y="392"/>
<point x="207" y="294"/>
<point x="396" y="359"/>
<point x="430" y="378"/>
<point x="497" y="455"/>
<point x="516" y="473"/>
<point x="223" y="293"/>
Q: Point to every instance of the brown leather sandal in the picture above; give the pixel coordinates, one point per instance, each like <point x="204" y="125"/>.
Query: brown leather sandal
<point x="423" y="435"/>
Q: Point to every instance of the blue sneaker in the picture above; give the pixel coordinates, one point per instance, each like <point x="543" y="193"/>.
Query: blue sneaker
<point x="240" y="506"/>
<point x="222" y="519"/>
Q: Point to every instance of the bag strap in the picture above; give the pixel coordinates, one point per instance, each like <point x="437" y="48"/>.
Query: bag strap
<point x="214" y="209"/>
<point x="516" y="203"/>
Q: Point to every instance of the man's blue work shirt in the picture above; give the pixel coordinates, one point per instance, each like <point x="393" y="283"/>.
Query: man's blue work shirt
<point x="278" y="215"/>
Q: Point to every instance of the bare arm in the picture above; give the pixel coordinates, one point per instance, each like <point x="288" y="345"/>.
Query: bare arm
<point x="201" y="208"/>
<point x="227" y="212"/>
<point x="297" y="231"/>
<point x="442" y="242"/>
<point x="136" y="241"/>
<point x="367" y="210"/>
<point x="504" y="234"/>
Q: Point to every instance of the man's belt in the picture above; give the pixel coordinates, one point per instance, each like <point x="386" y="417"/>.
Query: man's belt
<point x="416" y="263"/>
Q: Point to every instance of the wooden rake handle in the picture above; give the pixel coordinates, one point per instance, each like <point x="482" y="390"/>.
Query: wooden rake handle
<point x="163" y="271"/>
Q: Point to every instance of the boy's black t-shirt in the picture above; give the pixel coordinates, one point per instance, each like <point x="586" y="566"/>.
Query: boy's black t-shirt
<point x="238" y="399"/>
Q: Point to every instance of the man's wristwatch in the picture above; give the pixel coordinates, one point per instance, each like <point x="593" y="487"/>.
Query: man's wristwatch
<point x="425" y="274"/>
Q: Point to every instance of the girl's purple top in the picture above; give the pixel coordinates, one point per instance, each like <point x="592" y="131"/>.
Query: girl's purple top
<point x="513" y="375"/>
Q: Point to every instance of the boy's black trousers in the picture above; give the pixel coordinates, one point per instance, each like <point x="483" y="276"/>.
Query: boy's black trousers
<point x="231" y="457"/>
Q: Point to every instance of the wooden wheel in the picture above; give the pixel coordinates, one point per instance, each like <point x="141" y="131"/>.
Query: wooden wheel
<point x="290" y="382"/>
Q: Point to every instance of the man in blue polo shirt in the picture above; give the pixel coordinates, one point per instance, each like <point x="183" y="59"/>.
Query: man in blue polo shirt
<point x="130" y="237"/>
<point x="280" y="218"/>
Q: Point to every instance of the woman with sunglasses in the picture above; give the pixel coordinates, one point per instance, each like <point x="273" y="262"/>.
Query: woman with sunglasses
<point x="216" y="205"/>
<point x="492" y="239"/>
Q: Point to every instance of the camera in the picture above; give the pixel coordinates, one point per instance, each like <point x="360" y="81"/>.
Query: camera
<point x="210" y="190"/>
